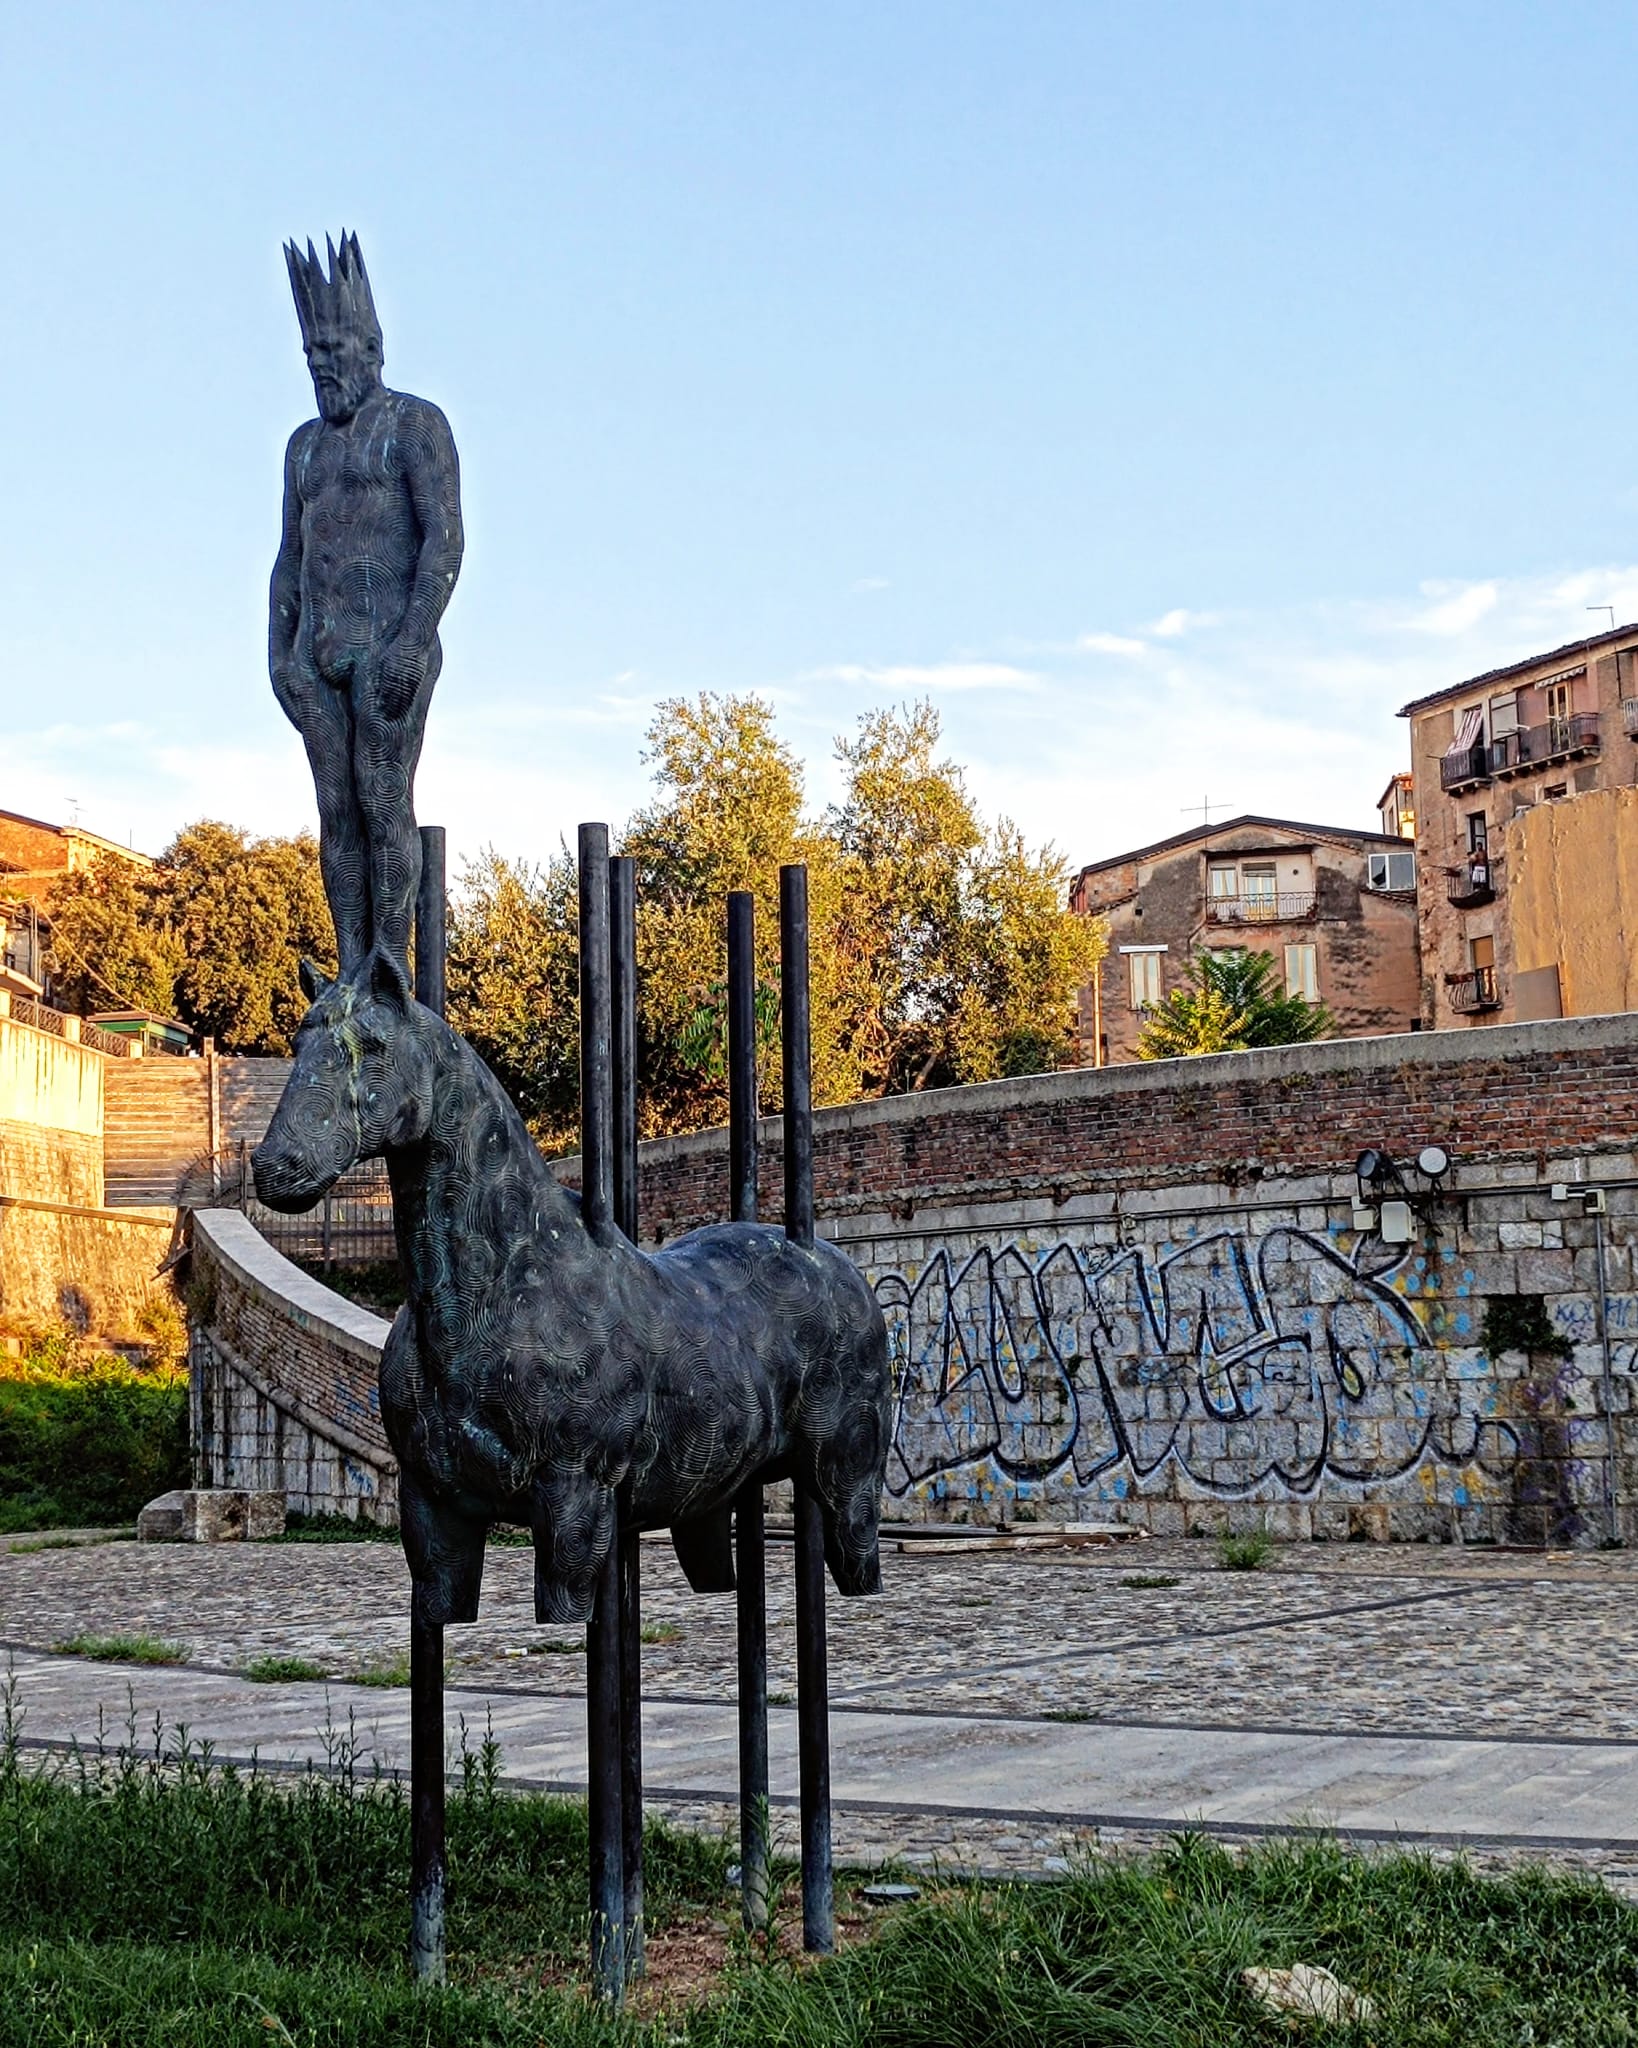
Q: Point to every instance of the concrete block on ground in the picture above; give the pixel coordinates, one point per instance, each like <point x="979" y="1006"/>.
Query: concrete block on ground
<point x="230" y="1515"/>
<point x="161" y="1520"/>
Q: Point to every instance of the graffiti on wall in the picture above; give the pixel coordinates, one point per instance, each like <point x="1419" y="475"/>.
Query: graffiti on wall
<point x="1249" y="1362"/>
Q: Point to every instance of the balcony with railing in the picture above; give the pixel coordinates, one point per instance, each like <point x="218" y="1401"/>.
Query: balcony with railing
<point x="1473" y="883"/>
<point x="1460" y="769"/>
<point x="1474" y="991"/>
<point x="1288" y="906"/>
<point x="1537" y="746"/>
<point x="1629" y="716"/>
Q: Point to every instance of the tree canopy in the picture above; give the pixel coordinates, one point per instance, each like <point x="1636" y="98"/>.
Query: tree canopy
<point x="1233" y="1001"/>
<point x="212" y="935"/>
<point x="942" y="950"/>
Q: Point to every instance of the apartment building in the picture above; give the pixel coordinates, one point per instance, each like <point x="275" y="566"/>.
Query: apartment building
<point x="1487" y="757"/>
<point x="1336" y="909"/>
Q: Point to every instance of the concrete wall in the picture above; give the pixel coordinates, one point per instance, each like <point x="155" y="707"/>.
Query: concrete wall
<point x="283" y="1379"/>
<point x="1140" y="1291"/>
<point x="51" y="1106"/>
<point x="1573" y="875"/>
<point x="63" y="1256"/>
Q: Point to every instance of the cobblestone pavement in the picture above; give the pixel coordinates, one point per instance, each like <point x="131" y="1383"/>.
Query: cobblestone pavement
<point x="1410" y="1642"/>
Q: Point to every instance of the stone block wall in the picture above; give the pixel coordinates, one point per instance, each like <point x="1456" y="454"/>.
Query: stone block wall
<point x="283" y="1379"/>
<point x="1139" y="1292"/>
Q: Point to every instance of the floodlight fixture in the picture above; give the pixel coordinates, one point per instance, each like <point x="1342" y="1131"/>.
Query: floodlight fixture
<point x="1433" y="1160"/>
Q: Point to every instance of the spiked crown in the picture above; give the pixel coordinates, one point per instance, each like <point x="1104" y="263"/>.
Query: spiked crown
<point x="341" y="298"/>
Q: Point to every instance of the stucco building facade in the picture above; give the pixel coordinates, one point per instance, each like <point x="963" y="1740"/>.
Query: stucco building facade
<point x="1491" y="757"/>
<point x="1336" y="908"/>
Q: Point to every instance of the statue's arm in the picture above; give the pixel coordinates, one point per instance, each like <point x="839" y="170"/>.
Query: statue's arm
<point x="432" y="472"/>
<point x="284" y="598"/>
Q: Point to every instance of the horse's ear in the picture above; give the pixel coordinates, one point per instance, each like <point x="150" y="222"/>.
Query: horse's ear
<point x="313" y="983"/>
<point x="389" y="981"/>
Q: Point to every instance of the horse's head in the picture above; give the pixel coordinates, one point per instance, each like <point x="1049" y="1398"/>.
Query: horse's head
<point x="362" y="1082"/>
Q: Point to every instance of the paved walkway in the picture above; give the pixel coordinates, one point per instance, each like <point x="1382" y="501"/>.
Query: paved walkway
<point x="992" y="1709"/>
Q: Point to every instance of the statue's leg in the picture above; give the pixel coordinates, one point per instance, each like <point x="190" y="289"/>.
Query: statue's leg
<point x="385" y="753"/>
<point x="572" y="1515"/>
<point x="444" y="1551"/>
<point x="327" y="733"/>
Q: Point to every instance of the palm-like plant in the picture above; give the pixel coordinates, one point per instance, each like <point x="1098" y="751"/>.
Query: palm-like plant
<point x="1233" y="1001"/>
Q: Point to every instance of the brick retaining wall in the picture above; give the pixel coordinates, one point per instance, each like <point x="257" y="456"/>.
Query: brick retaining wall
<point x="1140" y="1291"/>
<point x="283" y="1379"/>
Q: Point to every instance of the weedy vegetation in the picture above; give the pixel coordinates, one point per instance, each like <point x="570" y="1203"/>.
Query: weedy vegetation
<point x="124" y="1649"/>
<point x="151" y="1898"/>
<point x="1247" y="1553"/>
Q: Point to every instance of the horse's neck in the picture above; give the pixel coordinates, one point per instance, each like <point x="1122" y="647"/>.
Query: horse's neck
<point x="476" y="1160"/>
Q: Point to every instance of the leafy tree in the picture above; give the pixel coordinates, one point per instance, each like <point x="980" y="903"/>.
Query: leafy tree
<point x="108" y="950"/>
<point x="212" y="934"/>
<point x="513" y="979"/>
<point x="1234" y="1001"/>
<point x="939" y="951"/>
<point x="958" y="951"/>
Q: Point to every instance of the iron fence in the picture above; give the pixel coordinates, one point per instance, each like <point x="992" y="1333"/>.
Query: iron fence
<point x="351" y="1226"/>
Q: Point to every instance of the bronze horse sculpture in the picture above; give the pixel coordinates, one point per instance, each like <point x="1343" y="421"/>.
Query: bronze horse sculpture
<point x="538" y="1367"/>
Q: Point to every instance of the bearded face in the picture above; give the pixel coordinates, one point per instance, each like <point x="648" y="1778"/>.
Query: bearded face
<point x="345" y="362"/>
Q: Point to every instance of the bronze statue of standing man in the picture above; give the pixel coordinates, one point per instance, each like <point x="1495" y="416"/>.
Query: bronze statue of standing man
<point x="371" y="549"/>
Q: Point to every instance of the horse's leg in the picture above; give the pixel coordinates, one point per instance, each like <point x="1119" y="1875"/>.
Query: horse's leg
<point x="572" y="1515"/>
<point x="705" y="1549"/>
<point x="444" y="1550"/>
<point x="844" y="1468"/>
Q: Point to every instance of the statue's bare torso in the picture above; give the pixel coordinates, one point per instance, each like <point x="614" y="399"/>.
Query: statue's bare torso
<point x="357" y="484"/>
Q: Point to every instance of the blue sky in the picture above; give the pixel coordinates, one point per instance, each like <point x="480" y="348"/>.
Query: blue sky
<point x="1168" y="391"/>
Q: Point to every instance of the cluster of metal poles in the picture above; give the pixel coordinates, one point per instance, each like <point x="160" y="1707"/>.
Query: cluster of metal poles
<point x="608" y="1154"/>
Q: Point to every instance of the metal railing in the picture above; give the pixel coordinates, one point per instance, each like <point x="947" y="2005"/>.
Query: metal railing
<point x="1478" y="989"/>
<point x="1472" y="764"/>
<point x="1285" y="907"/>
<point x="1555" y="740"/>
<point x="1629" y="715"/>
<point x="1472" y="883"/>
<point x="350" y="1226"/>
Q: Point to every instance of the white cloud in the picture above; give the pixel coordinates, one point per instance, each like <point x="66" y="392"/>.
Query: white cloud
<point x="1458" y="610"/>
<point x="868" y="583"/>
<point x="1110" y="643"/>
<point x="1174" y="624"/>
<point x="936" y="678"/>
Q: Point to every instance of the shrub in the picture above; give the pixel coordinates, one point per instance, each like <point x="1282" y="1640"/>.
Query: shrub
<point x="87" y="1439"/>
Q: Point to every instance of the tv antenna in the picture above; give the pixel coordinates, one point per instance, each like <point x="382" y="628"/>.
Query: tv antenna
<point x="1205" y="807"/>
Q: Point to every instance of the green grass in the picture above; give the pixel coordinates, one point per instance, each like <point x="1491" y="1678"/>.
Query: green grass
<point x="1247" y="1553"/>
<point x="282" y="1670"/>
<point x="391" y="1671"/>
<point x="85" y="1542"/>
<point x="127" y="1649"/>
<point x="661" y="1632"/>
<point x="1145" y="1581"/>
<point x="151" y="1900"/>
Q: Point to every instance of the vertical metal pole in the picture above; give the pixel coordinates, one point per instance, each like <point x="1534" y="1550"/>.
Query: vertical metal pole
<point x="623" y="952"/>
<point x="742" y="1102"/>
<point x="426" y="1800"/>
<point x="750" y="1578"/>
<point x="812" y="1703"/>
<point x="596" y="1033"/>
<point x="431" y="899"/>
<point x="603" y="1745"/>
<point x="427" y="1866"/>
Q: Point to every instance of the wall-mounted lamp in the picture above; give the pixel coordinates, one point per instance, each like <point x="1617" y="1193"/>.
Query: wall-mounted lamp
<point x="1386" y="1202"/>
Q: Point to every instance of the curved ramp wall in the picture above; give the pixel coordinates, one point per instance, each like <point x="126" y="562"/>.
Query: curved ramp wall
<point x="283" y="1379"/>
<point x="1140" y="1292"/>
